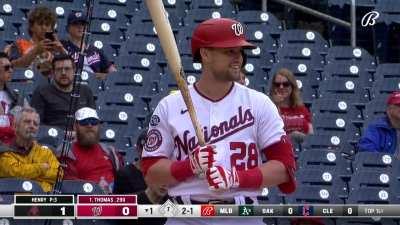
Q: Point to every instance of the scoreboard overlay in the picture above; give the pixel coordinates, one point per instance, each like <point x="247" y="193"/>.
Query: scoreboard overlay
<point x="126" y="207"/>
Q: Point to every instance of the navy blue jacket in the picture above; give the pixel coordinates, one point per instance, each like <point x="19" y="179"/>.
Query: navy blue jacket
<point x="380" y="136"/>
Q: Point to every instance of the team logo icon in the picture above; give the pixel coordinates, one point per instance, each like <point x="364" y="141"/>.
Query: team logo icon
<point x="97" y="210"/>
<point x="207" y="210"/>
<point x="154" y="140"/>
<point x="237" y="29"/>
<point x="154" y="120"/>
<point x="369" y="19"/>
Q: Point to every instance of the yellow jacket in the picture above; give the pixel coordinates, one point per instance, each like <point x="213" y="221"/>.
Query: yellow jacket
<point x="15" y="163"/>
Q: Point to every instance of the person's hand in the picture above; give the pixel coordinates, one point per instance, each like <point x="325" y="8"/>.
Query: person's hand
<point x="43" y="46"/>
<point x="222" y="179"/>
<point x="297" y="136"/>
<point x="202" y="158"/>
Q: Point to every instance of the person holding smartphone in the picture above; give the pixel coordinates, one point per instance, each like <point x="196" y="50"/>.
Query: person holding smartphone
<point x="38" y="51"/>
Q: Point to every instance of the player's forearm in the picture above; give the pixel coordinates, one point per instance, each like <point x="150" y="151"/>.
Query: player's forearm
<point x="273" y="173"/>
<point x="160" y="173"/>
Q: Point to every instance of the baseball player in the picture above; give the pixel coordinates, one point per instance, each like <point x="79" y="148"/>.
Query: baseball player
<point x="239" y="124"/>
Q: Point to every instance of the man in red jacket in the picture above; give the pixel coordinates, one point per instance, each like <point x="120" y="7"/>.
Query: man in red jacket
<point x="89" y="159"/>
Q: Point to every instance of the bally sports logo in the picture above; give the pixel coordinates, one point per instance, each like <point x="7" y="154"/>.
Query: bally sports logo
<point x="237" y="29"/>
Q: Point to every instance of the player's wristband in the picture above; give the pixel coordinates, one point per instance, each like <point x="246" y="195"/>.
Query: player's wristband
<point x="250" y="178"/>
<point x="181" y="170"/>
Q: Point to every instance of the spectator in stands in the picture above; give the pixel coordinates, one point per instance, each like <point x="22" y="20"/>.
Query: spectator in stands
<point x="52" y="100"/>
<point x="89" y="159"/>
<point x="25" y="158"/>
<point x="38" y="51"/>
<point x="10" y="100"/>
<point x="383" y="134"/>
<point x="285" y="94"/>
<point x="130" y="180"/>
<point x="95" y="59"/>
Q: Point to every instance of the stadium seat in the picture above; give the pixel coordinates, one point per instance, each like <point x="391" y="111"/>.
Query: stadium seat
<point x="116" y="136"/>
<point x="372" y="161"/>
<point x="348" y="70"/>
<point x="80" y="187"/>
<point x="336" y="106"/>
<point x="371" y="195"/>
<point x="270" y="196"/>
<point x="196" y="16"/>
<point x="343" y="89"/>
<point x="375" y="108"/>
<point x="370" y="178"/>
<point x="347" y="53"/>
<point x="302" y="68"/>
<point x="271" y="25"/>
<point x="258" y="36"/>
<point x="141" y="45"/>
<point x="327" y="160"/>
<point x="313" y="195"/>
<point x="335" y="142"/>
<point x="305" y="38"/>
<point x="50" y="136"/>
<point x="294" y="53"/>
<point x="335" y="124"/>
<point x="387" y="70"/>
<point x="386" y="86"/>
<point x="322" y="178"/>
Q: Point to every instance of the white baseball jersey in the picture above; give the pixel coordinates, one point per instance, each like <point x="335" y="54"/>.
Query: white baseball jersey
<point x="240" y="125"/>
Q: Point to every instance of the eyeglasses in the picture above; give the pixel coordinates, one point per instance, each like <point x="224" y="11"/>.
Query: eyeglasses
<point x="89" y="121"/>
<point x="284" y="84"/>
<point x="8" y="67"/>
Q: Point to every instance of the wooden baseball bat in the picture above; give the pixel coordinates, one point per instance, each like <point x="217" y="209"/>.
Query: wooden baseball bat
<point x="168" y="44"/>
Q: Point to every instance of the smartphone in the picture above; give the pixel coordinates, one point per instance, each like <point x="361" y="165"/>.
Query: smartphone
<point x="49" y="35"/>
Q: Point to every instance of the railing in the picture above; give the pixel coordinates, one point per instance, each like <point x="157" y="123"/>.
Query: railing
<point x="351" y="26"/>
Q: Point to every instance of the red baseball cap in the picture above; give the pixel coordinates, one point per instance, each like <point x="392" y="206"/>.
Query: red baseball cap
<point x="218" y="33"/>
<point x="394" y="98"/>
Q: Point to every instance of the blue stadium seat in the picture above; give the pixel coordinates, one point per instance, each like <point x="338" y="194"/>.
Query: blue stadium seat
<point x="375" y="108"/>
<point x="372" y="161"/>
<point x="348" y="70"/>
<point x="271" y="25"/>
<point x="313" y="195"/>
<point x="347" y="53"/>
<point x="11" y="186"/>
<point x="370" y="178"/>
<point x="386" y="86"/>
<point x="116" y="136"/>
<point x="257" y="35"/>
<point x="322" y="178"/>
<point x="336" y="106"/>
<point x="270" y="196"/>
<point x="141" y="45"/>
<point x="50" y="136"/>
<point x="196" y="16"/>
<point x="327" y="160"/>
<point x="80" y="187"/>
<point x="387" y="70"/>
<point x="371" y="195"/>
<point x="136" y="62"/>
<point x="335" y="142"/>
<point x="296" y="52"/>
<point x="335" y="124"/>
<point x="343" y="89"/>
<point x="305" y="38"/>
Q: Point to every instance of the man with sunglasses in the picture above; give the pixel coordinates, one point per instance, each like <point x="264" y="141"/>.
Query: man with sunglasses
<point x="52" y="100"/>
<point x="89" y="159"/>
<point x="9" y="99"/>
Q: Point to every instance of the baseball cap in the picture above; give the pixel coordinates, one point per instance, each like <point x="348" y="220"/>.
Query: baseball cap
<point x="394" y="98"/>
<point x="86" y="113"/>
<point x="75" y="17"/>
<point x="219" y="33"/>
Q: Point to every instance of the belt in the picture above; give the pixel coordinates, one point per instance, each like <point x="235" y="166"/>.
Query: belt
<point x="229" y="201"/>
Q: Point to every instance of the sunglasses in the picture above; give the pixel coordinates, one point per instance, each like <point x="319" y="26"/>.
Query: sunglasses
<point x="8" y="67"/>
<point x="284" y="84"/>
<point x="89" y="121"/>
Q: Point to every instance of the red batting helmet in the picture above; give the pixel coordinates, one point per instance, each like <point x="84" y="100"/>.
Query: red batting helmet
<point x="218" y="33"/>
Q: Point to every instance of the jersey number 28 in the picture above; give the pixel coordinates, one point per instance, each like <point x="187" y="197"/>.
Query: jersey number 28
<point x="239" y="160"/>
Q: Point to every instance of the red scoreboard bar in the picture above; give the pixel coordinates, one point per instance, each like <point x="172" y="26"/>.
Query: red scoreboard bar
<point x="106" y="207"/>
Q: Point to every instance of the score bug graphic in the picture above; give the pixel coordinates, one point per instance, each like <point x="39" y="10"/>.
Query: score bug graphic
<point x="107" y="206"/>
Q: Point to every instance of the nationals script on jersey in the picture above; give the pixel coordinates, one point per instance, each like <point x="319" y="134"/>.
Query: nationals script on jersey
<point x="240" y="125"/>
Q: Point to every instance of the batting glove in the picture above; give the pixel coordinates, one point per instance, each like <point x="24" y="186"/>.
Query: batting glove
<point x="221" y="179"/>
<point x="201" y="159"/>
